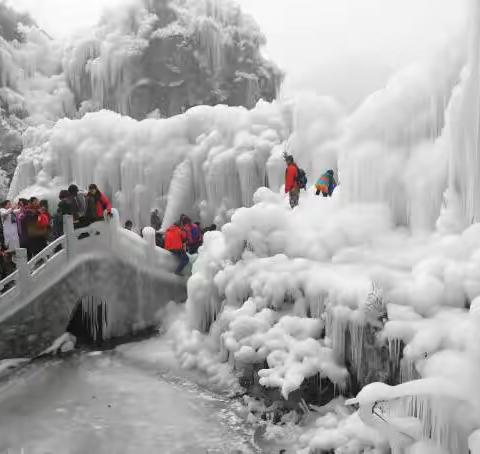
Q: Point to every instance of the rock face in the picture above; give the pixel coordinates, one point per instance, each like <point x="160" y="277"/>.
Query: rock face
<point x="10" y="142"/>
<point x="152" y="58"/>
<point x="9" y="20"/>
<point x="165" y="56"/>
<point x="11" y="123"/>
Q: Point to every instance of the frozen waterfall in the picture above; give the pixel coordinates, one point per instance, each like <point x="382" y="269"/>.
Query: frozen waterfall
<point x="397" y="148"/>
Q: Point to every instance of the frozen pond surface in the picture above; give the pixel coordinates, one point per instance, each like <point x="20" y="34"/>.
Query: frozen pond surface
<point x="104" y="404"/>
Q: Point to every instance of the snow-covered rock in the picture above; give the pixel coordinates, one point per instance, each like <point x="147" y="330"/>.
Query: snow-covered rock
<point x="168" y="56"/>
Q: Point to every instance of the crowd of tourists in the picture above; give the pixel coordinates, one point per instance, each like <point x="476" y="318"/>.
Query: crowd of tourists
<point x="29" y="224"/>
<point x="25" y="224"/>
<point x="85" y="207"/>
<point x="183" y="238"/>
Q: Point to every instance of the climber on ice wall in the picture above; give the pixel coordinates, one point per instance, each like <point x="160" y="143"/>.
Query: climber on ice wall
<point x="326" y="184"/>
<point x="291" y="185"/>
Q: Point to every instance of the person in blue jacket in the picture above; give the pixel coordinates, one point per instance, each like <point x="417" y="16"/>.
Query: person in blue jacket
<point x="326" y="184"/>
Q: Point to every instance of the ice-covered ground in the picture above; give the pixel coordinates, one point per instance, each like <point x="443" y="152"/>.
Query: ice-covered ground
<point x="104" y="403"/>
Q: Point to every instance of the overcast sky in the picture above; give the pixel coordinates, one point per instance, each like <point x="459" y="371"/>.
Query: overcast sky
<point x="343" y="47"/>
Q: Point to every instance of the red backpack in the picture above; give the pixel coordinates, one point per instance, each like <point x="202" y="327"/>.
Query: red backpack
<point x="43" y="220"/>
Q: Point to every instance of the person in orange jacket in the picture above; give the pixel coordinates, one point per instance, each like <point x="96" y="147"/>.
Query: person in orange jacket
<point x="291" y="184"/>
<point x="174" y="241"/>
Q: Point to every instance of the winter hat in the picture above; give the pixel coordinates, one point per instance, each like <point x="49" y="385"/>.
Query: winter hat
<point x="73" y="189"/>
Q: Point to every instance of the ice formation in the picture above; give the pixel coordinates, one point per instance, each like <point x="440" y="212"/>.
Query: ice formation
<point x="31" y="84"/>
<point x="197" y="162"/>
<point x="224" y="154"/>
<point x="379" y="283"/>
<point x="398" y="305"/>
<point x="145" y="58"/>
<point x="168" y="56"/>
<point x="32" y="89"/>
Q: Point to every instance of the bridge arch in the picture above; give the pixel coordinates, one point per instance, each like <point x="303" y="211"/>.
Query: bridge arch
<point x="132" y="277"/>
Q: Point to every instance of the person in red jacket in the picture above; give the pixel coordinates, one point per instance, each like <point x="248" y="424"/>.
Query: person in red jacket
<point x="97" y="204"/>
<point x="174" y="241"/>
<point x="291" y="184"/>
<point x="193" y="232"/>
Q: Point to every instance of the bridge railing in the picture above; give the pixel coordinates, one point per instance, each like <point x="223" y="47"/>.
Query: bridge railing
<point x="104" y="237"/>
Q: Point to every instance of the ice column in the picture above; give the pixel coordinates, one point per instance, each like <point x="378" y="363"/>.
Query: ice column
<point x="181" y="194"/>
<point x="464" y="123"/>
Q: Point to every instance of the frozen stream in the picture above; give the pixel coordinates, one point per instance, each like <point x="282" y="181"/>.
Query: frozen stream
<point x="103" y="403"/>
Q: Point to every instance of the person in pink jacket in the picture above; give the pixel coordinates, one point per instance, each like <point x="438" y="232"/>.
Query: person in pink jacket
<point x="97" y="204"/>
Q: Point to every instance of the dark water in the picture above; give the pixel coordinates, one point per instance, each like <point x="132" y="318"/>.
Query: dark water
<point x="100" y="403"/>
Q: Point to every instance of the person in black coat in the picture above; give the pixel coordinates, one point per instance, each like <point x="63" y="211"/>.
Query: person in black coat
<point x="3" y="248"/>
<point x="64" y="207"/>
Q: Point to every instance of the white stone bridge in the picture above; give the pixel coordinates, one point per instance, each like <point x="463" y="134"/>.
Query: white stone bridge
<point x="108" y="270"/>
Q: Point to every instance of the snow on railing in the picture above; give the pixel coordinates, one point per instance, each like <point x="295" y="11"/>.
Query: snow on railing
<point x="100" y="237"/>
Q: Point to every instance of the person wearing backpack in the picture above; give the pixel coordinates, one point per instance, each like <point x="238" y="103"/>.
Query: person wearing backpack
<point x="326" y="184"/>
<point x="301" y="179"/>
<point x="37" y="222"/>
<point x="193" y="232"/>
<point x="174" y="241"/>
<point x="292" y="187"/>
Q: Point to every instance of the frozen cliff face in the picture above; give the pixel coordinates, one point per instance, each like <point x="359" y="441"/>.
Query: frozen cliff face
<point x="10" y="142"/>
<point x="169" y="55"/>
<point x="9" y="20"/>
<point x="395" y="150"/>
<point x="32" y="88"/>
<point x="10" y="125"/>
<point x="207" y="162"/>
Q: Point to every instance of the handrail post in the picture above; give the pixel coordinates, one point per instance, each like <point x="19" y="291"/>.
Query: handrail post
<point x="21" y="260"/>
<point x="113" y="224"/>
<point x="149" y="237"/>
<point x="70" y="240"/>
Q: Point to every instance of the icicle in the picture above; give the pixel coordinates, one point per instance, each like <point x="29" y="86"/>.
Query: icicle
<point x="316" y="305"/>
<point x="408" y="370"/>
<point x="250" y="180"/>
<point x="180" y="195"/>
<point x="337" y="325"/>
<point x="210" y="41"/>
<point x="463" y="119"/>
<point x="438" y="425"/>
<point x="8" y="71"/>
<point x="95" y="317"/>
<point x="78" y="61"/>
<point x="276" y="168"/>
<point x="394" y="350"/>
<point x="408" y="417"/>
<point x="357" y="330"/>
